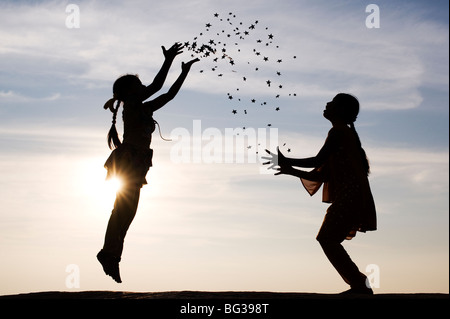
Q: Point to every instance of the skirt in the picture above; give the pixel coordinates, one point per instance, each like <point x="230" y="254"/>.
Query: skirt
<point x="129" y="164"/>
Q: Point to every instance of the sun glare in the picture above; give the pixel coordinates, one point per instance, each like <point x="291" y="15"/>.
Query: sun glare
<point x="113" y="185"/>
<point x="93" y="184"/>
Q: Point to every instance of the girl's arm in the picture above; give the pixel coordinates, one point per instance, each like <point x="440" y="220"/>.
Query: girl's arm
<point x="310" y="162"/>
<point x="314" y="175"/>
<point x="159" y="79"/>
<point x="162" y="100"/>
<point x="286" y="164"/>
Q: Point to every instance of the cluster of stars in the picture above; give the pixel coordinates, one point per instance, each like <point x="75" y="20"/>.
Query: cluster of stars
<point x="245" y="49"/>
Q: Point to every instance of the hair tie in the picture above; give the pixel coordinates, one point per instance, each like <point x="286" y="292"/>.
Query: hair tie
<point x="110" y="104"/>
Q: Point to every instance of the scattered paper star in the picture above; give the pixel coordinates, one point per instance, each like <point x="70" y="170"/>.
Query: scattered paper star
<point x="227" y="41"/>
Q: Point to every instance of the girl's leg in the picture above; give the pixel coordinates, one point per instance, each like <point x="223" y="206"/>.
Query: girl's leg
<point x="331" y="235"/>
<point x="122" y="215"/>
<point x="344" y="265"/>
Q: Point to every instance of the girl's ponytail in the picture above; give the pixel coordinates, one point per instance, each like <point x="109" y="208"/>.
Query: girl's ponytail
<point x="349" y="109"/>
<point x="113" y="136"/>
<point x="121" y="89"/>
<point x="364" y="158"/>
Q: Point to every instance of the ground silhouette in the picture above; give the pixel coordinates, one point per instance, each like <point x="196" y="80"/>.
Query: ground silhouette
<point x="227" y="295"/>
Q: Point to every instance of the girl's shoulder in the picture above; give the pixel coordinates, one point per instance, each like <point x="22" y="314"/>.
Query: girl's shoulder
<point x="340" y="131"/>
<point x="340" y="135"/>
<point x="138" y="108"/>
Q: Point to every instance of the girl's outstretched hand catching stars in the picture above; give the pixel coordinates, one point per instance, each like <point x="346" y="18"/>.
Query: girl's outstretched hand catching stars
<point x="277" y="160"/>
<point x="173" y="51"/>
<point x="185" y="67"/>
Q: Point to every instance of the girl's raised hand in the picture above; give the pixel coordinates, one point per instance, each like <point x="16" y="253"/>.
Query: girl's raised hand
<point x="185" y="67"/>
<point x="173" y="51"/>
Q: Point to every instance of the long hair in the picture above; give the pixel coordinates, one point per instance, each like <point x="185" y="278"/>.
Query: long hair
<point x="121" y="94"/>
<point x="113" y="136"/>
<point x="348" y="106"/>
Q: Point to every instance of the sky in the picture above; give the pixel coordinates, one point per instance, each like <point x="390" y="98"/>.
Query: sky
<point x="212" y="217"/>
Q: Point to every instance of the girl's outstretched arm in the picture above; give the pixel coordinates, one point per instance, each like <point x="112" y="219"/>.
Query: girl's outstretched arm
<point x="286" y="168"/>
<point x="309" y="162"/>
<point x="313" y="175"/>
<point x="162" y="100"/>
<point x="159" y="79"/>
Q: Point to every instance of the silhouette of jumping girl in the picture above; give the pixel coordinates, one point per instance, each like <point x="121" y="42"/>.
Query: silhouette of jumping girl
<point x="342" y="167"/>
<point x="131" y="159"/>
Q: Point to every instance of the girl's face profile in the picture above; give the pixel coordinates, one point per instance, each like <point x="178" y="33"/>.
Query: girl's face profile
<point x="330" y="110"/>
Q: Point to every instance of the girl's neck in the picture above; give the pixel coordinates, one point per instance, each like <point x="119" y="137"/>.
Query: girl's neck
<point x="338" y="123"/>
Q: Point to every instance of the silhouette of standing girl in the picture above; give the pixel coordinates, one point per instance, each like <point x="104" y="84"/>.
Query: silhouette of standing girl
<point x="342" y="167"/>
<point x="131" y="159"/>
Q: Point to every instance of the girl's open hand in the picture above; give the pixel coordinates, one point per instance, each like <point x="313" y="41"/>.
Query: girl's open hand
<point x="273" y="159"/>
<point x="277" y="160"/>
<point x="173" y="51"/>
<point x="185" y="67"/>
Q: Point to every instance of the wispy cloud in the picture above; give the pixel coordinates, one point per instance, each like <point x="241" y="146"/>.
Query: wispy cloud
<point x="385" y="67"/>
<point x="11" y="96"/>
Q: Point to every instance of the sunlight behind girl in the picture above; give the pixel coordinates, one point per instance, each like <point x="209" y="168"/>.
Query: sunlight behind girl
<point x="113" y="185"/>
<point x="94" y="186"/>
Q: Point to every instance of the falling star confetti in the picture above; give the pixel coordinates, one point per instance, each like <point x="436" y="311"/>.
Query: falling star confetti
<point x="246" y="49"/>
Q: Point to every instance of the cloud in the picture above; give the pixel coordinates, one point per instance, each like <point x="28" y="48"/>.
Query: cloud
<point x="11" y="96"/>
<point x="336" y="52"/>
